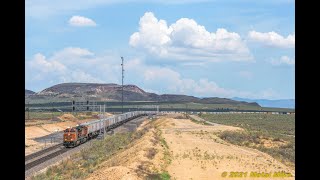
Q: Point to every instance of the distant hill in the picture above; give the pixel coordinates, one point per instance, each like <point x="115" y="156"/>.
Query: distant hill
<point x="280" y="103"/>
<point x="28" y="92"/>
<point x="112" y="92"/>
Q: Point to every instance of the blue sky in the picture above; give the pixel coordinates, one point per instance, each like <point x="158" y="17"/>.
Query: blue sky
<point x="200" y="48"/>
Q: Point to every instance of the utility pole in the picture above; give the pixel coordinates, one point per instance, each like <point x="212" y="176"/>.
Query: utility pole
<point x="186" y="110"/>
<point x="122" y="82"/>
<point x="52" y="111"/>
<point x="28" y="110"/>
<point x="72" y="106"/>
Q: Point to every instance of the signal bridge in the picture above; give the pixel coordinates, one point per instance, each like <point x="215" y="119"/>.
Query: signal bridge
<point x="151" y="107"/>
<point x="88" y="106"/>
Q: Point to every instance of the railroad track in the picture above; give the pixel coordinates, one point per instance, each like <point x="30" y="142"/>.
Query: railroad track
<point x="45" y="158"/>
<point x="39" y="153"/>
<point x="35" y="159"/>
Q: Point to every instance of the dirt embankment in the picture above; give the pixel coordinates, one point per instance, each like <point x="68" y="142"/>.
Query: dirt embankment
<point x="187" y="150"/>
<point x="40" y="128"/>
<point x="140" y="160"/>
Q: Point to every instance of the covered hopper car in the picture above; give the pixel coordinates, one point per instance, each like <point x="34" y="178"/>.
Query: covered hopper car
<point x="83" y="132"/>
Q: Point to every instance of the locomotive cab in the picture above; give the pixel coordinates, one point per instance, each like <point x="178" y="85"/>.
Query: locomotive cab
<point x="69" y="137"/>
<point x="74" y="136"/>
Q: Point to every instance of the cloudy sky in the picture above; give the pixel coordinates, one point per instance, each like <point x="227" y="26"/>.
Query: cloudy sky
<point x="234" y="48"/>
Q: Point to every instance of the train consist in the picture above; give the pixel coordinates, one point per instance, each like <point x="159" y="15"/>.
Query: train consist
<point x="83" y="132"/>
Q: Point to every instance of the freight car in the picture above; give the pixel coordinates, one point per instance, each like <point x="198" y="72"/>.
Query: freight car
<point x="83" y="132"/>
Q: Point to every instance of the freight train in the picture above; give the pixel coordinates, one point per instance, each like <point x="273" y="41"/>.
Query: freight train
<point x="83" y="132"/>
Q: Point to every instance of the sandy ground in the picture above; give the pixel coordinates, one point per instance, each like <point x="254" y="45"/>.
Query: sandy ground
<point x="136" y="162"/>
<point x="195" y="151"/>
<point x="46" y="128"/>
<point x="199" y="154"/>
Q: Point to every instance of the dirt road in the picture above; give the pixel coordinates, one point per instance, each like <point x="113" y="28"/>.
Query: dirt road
<point x="197" y="118"/>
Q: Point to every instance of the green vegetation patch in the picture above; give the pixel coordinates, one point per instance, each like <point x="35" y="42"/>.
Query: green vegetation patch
<point x="167" y="155"/>
<point x="159" y="176"/>
<point x="198" y="122"/>
<point x="42" y="115"/>
<point x="281" y="125"/>
<point x="277" y="129"/>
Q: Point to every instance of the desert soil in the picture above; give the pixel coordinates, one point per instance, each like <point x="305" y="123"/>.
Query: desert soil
<point x="135" y="162"/>
<point x="195" y="151"/>
<point x="45" y="127"/>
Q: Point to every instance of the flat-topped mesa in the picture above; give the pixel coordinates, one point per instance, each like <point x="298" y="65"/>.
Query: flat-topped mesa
<point x="113" y="92"/>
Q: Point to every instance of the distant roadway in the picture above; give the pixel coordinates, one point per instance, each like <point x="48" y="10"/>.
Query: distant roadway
<point x="197" y="118"/>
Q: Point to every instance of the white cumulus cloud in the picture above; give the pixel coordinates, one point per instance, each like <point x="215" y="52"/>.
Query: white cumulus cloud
<point x="175" y="83"/>
<point x="40" y="63"/>
<point x="77" y="51"/>
<point x="283" y="60"/>
<point x="187" y="40"/>
<point x="273" y="39"/>
<point x="81" y="21"/>
<point x="71" y="64"/>
<point x="72" y="55"/>
<point x="80" y="76"/>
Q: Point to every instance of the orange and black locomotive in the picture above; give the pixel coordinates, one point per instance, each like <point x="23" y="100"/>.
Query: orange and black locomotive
<point x="75" y="136"/>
